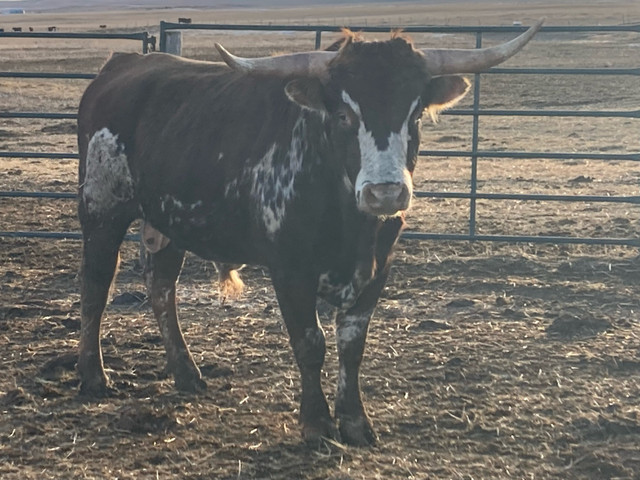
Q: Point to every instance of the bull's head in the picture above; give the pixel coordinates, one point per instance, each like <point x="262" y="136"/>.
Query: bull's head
<point x="372" y="96"/>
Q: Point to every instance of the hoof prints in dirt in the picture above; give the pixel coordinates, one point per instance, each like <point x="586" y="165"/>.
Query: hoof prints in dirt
<point x="29" y="311"/>
<point x="143" y="419"/>
<point x="129" y="298"/>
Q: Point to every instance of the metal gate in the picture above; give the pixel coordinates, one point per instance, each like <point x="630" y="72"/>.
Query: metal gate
<point x="169" y="34"/>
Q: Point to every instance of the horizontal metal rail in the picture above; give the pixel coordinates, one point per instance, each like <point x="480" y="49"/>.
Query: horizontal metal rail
<point x="633" y="199"/>
<point x="148" y="41"/>
<point x="461" y="195"/>
<point x="43" y="234"/>
<point x="45" y="115"/>
<point x="633" y="157"/>
<point x="59" y="235"/>
<point x="632" y="242"/>
<point x="66" y="76"/>
<point x="78" y="35"/>
<point x="53" y="155"/>
<point x="564" y="71"/>
<point x="405" y="28"/>
<point x="456" y="112"/>
<point x="319" y="29"/>
<point x="545" y="113"/>
<point x="16" y="194"/>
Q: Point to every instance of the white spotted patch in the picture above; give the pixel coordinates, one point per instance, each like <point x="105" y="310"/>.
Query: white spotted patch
<point x="273" y="179"/>
<point x="179" y="212"/>
<point x="342" y="381"/>
<point x="338" y="295"/>
<point x="108" y="180"/>
<point x="345" y="295"/>
<point x="382" y="166"/>
<point x="231" y="189"/>
<point x="314" y="336"/>
<point x="351" y="328"/>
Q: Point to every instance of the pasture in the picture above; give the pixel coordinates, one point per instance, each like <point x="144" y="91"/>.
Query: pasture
<point x="484" y="360"/>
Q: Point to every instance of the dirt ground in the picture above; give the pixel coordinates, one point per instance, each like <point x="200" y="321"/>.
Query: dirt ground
<point x="484" y="360"/>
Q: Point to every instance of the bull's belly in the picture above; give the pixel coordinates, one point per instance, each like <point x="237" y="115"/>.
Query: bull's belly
<point x="210" y="232"/>
<point x="218" y="249"/>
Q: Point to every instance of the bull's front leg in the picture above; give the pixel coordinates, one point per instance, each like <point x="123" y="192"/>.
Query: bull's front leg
<point x="296" y="294"/>
<point x="352" y="325"/>
<point x="351" y="333"/>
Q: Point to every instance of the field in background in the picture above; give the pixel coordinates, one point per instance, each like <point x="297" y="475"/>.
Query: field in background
<point x="484" y="360"/>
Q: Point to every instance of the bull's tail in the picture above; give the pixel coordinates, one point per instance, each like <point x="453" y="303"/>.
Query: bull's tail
<point x="230" y="283"/>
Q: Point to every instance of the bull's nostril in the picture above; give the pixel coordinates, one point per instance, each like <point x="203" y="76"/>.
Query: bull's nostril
<point x="404" y="197"/>
<point x="385" y="198"/>
<point x="370" y="196"/>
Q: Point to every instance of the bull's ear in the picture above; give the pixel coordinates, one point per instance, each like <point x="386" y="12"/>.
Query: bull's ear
<point x="444" y="92"/>
<point x="308" y="93"/>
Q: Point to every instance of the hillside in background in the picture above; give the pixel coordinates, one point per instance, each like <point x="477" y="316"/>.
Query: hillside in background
<point x="84" y="5"/>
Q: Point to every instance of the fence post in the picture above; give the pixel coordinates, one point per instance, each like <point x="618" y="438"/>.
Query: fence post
<point x="173" y="42"/>
<point x="474" y="147"/>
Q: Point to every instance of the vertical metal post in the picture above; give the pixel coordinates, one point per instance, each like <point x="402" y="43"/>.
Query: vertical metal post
<point x="145" y="42"/>
<point x="474" y="147"/>
<point x="318" y="39"/>
<point x="173" y="43"/>
<point x="163" y="36"/>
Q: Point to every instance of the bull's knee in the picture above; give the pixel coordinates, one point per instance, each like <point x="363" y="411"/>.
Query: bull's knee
<point x="310" y="349"/>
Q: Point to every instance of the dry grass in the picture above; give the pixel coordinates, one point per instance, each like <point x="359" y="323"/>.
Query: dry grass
<point x="484" y="360"/>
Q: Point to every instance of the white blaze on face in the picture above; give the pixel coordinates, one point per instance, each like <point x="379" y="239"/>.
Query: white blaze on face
<point x="108" y="179"/>
<point x="382" y="166"/>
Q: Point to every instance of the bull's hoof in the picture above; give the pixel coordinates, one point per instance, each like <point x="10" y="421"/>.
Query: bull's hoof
<point x="313" y="433"/>
<point x="190" y="383"/>
<point x="97" y="386"/>
<point x="357" y="431"/>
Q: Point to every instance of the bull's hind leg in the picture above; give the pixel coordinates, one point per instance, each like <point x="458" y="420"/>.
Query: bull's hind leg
<point x="162" y="269"/>
<point x="99" y="263"/>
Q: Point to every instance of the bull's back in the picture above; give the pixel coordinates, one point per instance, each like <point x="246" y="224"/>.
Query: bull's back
<point x="133" y="90"/>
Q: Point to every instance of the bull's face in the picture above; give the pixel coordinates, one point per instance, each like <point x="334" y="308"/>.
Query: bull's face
<point x="372" y="102"/>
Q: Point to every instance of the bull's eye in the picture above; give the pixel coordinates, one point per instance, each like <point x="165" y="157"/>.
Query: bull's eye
<point x="343" y="117"/>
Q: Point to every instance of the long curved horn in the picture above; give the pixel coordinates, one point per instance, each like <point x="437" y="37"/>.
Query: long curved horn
<point x="307" y="63"/>
<point x="450" y="61"/>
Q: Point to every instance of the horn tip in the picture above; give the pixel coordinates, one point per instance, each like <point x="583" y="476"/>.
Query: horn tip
<point x="221" y="50"/>
<point x="539" y="23"/>
<point x="228" y="58"/>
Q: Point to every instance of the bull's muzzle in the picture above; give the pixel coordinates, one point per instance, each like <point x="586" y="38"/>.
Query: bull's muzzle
<point x="384" y="198"/>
